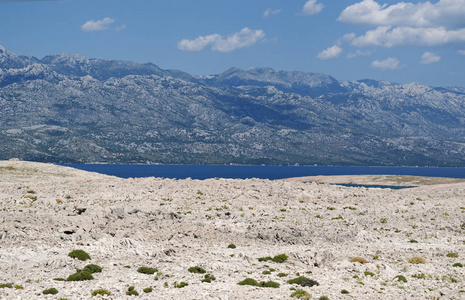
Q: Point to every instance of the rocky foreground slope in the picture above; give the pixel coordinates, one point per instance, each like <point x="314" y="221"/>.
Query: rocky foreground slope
<point x="70" y="109"/>
<point x="47" y="211"/>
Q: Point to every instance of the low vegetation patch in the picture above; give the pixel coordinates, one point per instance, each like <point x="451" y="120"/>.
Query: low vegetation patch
<point x="400" y="278"/>
<point x="253" y="282"/>
<point x="92" y="269"/>
<point x="301" y="294"/>
<point x="303" y="281"/>
<point x="147" y="290"/>
<point x="100" y="292"/>
<point x="452" y="255"/>
<point x="197" y="270"/>
<point x="6" y="285"/>
<point x="132" y="291"/>
<point x="208" y="278"/>
<point x="51" y="291"/>
<point x="282" y="275"/>
<point x="297" y="280"/>
<point x="345" y="291"/>
<point x="80" y="276"/>
<point x="180" y="285"/>
<point x="368" y="273"/>
<point x="232" y="246"/>
<point x="79" y="254"/>
<point x="457" y="265"/>
<point x="147" y="270"/>
<point x="280" y="258"/>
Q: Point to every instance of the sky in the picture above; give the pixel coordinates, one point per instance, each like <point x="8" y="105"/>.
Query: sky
<point x="403" y="42"/>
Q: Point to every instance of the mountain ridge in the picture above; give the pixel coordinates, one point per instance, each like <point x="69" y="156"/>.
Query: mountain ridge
<point x="67" y="108"/>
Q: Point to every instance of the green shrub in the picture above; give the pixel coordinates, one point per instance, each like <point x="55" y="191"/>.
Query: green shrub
<point x="452" y="255"/>
<point x="148" y="290"/>
<point x="280" y="258"/>
<point x="232" y="246"/>
<point x="249" y="281"/>
<point x="266" y="272"/>
<point x="282" y="274"/>
<point x="6" y="285"/>
<point x="80" y="276"/>
<point x="345" y="292"/>
<point x="180" y="285"/>
<point x="457" y="265"/>
<point x="323" y="298"/>
<point x="59" y="279"/>
<point x="419" y="276"/>
<point x="301" y="294"/>
<point x="265" y="258"/>
<point x="400" y="278"/>
<point x="79" y="254"/>
<point x="19" y="287"/>
<point x="208" y="278"/>
<point x="51" y="291"/>
<point x="297" y="280"/>
<point x="132" y="291"/>
<point x="270" y="284"/>
<point x="197" y="270"/>
<point x="147" y="270"/>
<point x="368" y="273"/>
<point x="100" y="292"/>
<point x="92" y="269"/>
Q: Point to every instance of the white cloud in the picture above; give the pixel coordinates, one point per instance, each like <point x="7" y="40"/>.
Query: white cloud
<point x="447" y="13"/>
<point x="388" y="64"/>
<point x="429" y="58"/>
<point x="270" y="11"/>
<point x="312" y="7"/>
<point x="462" y="52"/>
<point x="407" y="23"/>
<point x="199" y="43"/>
<point x="387" y="36"/>
<point x="98" y="25"/>
<point x="244" y="38"/>
<point x="330" y="53"/>
<point x="359" y="53"/>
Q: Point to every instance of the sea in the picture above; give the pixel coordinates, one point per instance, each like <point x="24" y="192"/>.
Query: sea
<point x="262" y="172"/>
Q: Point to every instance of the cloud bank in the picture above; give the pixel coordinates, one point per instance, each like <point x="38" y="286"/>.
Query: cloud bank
<point x="405" y="23"/>
<point x="244" y="38"/>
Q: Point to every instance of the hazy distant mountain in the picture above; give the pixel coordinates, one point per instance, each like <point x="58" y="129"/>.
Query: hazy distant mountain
<point x="67" y="108"/>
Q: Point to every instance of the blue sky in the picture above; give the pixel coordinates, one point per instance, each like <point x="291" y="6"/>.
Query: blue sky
<point x="410" y="41"/>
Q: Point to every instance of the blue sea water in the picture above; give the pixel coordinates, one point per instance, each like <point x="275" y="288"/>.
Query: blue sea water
<point x="263" y="172"/>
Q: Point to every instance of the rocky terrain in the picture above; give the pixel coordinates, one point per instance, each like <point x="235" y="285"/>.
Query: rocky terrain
<point x="70" y="109"/>
<point x="350" y="243"/>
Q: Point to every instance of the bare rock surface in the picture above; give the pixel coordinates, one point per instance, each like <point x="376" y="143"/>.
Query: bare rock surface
<point x="47" y="211"/>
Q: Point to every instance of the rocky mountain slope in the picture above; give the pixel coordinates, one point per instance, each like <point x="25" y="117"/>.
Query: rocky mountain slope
<point x="67" y="108"/>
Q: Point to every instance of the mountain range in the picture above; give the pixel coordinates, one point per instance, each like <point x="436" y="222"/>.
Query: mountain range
<point x="70" y="109"/>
